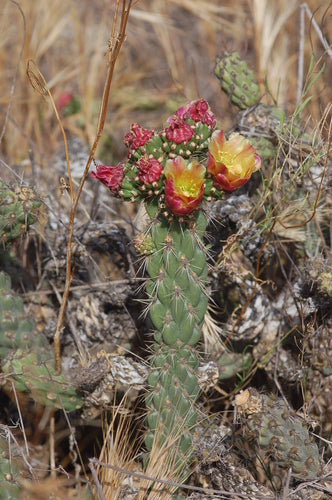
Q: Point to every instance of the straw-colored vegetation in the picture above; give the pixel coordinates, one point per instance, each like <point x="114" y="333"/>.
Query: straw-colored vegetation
<point x="269" y="325"/>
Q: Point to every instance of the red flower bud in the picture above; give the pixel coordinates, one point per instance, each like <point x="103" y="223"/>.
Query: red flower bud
<point x="198" y="111"/>
<point x="149" y="170"/>
<point x="178" y="131"/>
<point x="231" y="163"/>
<point x="64" y="99"/>
<point x="110" y="176"/>
<point x="138" y="136"/>
<point x="184" y="185"/>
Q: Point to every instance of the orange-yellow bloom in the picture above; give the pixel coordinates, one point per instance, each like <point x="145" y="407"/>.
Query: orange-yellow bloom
<point x="184" y="185"/>
<point x="231" y="163"/>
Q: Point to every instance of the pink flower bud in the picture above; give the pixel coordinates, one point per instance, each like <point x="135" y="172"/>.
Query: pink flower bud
<point x="138" y="136"/>
<point x="178" y="131"/>
<point x="64" y="99"/>
<point x="110" y="176"/>
<point x="184" y="185"/>
<point x="231" y="163"/>
<point x="149" y="170"/>
<point x="198" y="111"/>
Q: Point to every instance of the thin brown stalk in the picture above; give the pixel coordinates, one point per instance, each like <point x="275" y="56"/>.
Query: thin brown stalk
<point x="317" y="197"/>
<point x="38" y="82"/>
<point x="115" y="46"/>
<point x="138" y="475"/>
<point x="15" y="71"/>
<point x="52" y="449"/>
<point x="21" y="419"/>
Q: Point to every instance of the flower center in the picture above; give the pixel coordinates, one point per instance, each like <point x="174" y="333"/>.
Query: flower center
<point x="189" y="189"/>
<point x="229" y="160"/>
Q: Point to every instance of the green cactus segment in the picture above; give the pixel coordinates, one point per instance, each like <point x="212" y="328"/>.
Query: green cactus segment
<point x="16" y="330"/>
<point x="28" y="357"/>
<point x="197" y="145"/>
<point x="9" y="473"/>
<point x="237" y="80"/>
<point x="264" y="148"/>
<point x="279" y="432"/>
<point x="178" y="272"/>
<point x="36" y="376"/>
<point x="19" y="209"/>
<point x="232" y="363"/>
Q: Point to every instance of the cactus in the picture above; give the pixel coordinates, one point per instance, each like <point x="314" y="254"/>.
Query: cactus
<point x="16" y="331"/>
<point x="178" y="272"/>
<point x="237" y="80"/>
<point x="35" y="375"/>
<point x="28" y="359"/>
<point x="264" y="147"/>
<point x="9" y="488"/>
<point x="265" y="125"/>
<point x="278" y="432"/>
<point x="169" y="172"/>
<point x="19" y="209"/>
<point x="11" y="465"/>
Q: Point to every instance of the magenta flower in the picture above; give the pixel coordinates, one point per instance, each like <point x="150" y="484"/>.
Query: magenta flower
<point x="149" y="170"/>
<point x="198" y="111"/>
<point x="231" y="163"/>
<point x="178" y="131"/>
<point x="64" y="99"/>
<point x="180" y="113"/>
<point x="138" y="136"/>
<point x="184" y="185"/>
<point x="110" y="176"/>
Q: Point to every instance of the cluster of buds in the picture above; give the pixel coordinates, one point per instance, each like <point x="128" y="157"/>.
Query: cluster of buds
<point x="185" y="163"/>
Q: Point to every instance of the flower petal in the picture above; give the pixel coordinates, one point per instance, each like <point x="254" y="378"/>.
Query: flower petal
<point x="149" y="170"/>
<point x="231" y="163"/>
<point x="184" y="185"/>
<point x="111" y="176"/>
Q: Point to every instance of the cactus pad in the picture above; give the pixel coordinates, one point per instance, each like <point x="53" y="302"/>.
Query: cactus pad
<point x="16" y="331"/>
<point x="237" y="80"/>
<point x="11" y="465"/>
<point x="28" y="358"/>
<point x="279" y="432"/>
<point x="19" y="208"/>
<point x="35" y="375"/>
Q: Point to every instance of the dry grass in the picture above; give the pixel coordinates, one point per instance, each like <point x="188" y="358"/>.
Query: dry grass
<point x="167" y="58"/>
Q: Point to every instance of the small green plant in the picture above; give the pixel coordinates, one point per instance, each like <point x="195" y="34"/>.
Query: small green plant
<point x="247" y="362"/>
<point x="27" y="359"/>
<point x="173" y="171"/>
<point x="237" y="80"/>
<point x="19" y="208"/>
<point x="9" y="472"/>
<point x="278" y="432"/>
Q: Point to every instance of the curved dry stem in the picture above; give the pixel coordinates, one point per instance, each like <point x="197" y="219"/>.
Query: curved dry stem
<point x="114" y="49"/>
